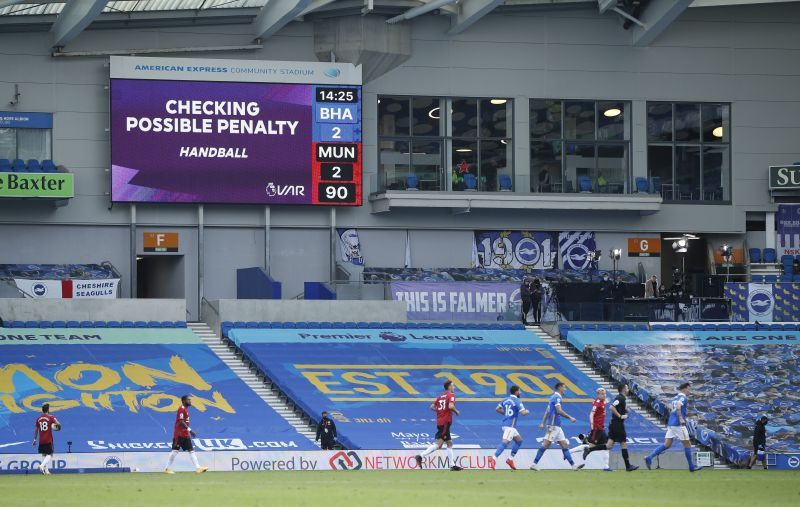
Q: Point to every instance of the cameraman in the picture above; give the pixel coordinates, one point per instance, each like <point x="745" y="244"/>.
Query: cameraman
<point x="326" y="430"/>
<point x="536" y="300"/>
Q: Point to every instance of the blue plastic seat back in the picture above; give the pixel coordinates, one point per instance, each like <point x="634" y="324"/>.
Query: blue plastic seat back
<point x="5" y="165"/>
<point x="127" y="324"/>
<point x="154" y="323"/>
<point x="289" y="325"/>
<point x="240" y="324"/>
<point x="326" y="325"/>
<point x="32" y="323"/>
<point x="263" y="325"/>
<point x="750" y="327"/>
<point x="251" y="325"/>
<point x="642" y="185"/>
<point x="168" y="324"/>
<point x="181" y="323"/>
<point x="114" y="323"/>
<point x="776" y="327"/>
<point x="73" y="323"/>
<point x="505" y="182"/>
<point x="755" y="254"/>
<point x="697" y="327"/>
<point x="87" y="323"/>
<point x="411" y="181"/>
<point x="770" y="255"/>
<point x="45" y="324"/>
<point x="34" y="166"/>
<point x="709" y="327"/>
<point x="19" y="166"/>
<point x="48" y="166"/>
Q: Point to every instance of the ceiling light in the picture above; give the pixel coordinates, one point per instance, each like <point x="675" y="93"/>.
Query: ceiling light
<point x="464" y="150"/>
<point x="611" y="113"/>
<point x="503" y="141"/>
<point x="434" y="113"/>
<point x="498" y="102"/>
<point x="717" y="132"/>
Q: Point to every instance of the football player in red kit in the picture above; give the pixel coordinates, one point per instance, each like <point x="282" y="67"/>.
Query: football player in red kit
<point x="445" y="407"/>
<point x="45" y="425"/>
<point x="182" y="436"/>
<point x="597" y="436"/>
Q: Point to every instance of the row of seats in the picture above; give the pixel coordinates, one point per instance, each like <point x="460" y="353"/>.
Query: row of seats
<point x="724" y="326"/>
<point x="46" y="324"/>
<point x="227" y="325"/>
<point x="564" y="328"/>
<point x="33" y="166"/>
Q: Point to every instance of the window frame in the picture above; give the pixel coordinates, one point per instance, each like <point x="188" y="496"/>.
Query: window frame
<point x="446" y="139"/>
<point x="627" y="141"/>
<point x="701" y="145"/>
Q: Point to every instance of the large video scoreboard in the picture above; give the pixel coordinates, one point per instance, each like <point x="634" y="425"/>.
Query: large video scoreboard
<point x="235" y="132"/>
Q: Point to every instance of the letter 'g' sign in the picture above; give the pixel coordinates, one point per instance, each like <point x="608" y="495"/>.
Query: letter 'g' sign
<point x="644" y="247"/>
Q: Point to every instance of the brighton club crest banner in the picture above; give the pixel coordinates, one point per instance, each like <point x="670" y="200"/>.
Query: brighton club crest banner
<point x="788" y="229"/>
<point x="514" y="250"/>
<point x="350" y="246"/>
<point x="574" y="248"/>
<point x="760" y="302"/>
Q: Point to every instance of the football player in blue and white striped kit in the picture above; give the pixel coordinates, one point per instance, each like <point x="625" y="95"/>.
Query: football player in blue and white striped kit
<point x="676" y="428"/>
<point x="554" y="432"/>
<point x="510" y="408"/>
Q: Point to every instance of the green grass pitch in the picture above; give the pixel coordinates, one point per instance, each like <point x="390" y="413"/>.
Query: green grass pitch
<point x="409" y="488"/>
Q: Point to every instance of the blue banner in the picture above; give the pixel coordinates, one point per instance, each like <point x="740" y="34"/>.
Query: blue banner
<point x="574" y="248"/>
<point x="580" y="339"/>
<point x="379" y="384"/>
<point x="514" y="250"/>
<point x="783" y="301"/>
<point x="21" y="120"/>
<point x="111" y="395"/>
<point x="788" y="229"/>
<point x="459" y="301"/>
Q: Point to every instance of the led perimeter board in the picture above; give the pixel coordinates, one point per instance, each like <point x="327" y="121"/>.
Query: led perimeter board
<point x="235" y="131"/>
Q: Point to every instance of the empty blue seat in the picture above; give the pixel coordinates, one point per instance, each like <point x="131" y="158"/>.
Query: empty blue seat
<point x="684" y="327"/>
<point x="615" y="327"/>
<point x="709" y="327"/>
<point x="73" y="323"/>
<point x="339" y="325"/>
<point x="308" y="325"/>
<point x="140" y="324"/>
<point x="18" y="166"/>
<point x="776" y="327"/>
<point x="87" y="323"/>
<point x="670" y="327"/>
<point x="127" y="324"/>
<point x="736" y="326"/>
<point x="326" y="325"/>
<point x="32" y="323"/>
<point x="603" y="327"/>
<point x="289" y="325"/>
<point x="374" y="325"/>
<point x="154" y="323"/>
<point x="411" y="181"/>
<point x="34" y="166"/>
<point x="770" y="255"/>
<point x="697" y="327"/>
<point x="264" y="325"/>
<point x="17" y="323"/>
<point x="723" y="326"/>
<point x="642" y="185"/>
<point x="278" y="325"/>
<point x="387" y="325"/>
<point x="226" y="323"/>
<point x="45" y="324"/>
<point x="350" y="325"/>
<point x="240" y="324"/>
<point x="750" y="327"/>
<point x="362" y="325"/>
<point x="640" y="327"/>
<point x="180" y="323"/>
<point x="251" y="324"/>
<point x="628" y="327"/>
<point x="787" y="260"/>
<point x="786" y="278"/>
<point x="48" y="166"/>
<point x="168" y="324"/>
<point x="790" y="326"/>
<point x="5" y="165"/>
<point x="114" y="323"/>
<point x="755" y="254"/>
<point x="413" y="325"/>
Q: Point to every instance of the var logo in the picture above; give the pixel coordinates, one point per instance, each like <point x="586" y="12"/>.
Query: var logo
<point x="273" y="190"/>
<point x="39" y="290"/>
<point x="345" y="461"/>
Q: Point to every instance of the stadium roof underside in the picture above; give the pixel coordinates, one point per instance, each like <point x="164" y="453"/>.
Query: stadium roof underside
<point x="67" y="19"/>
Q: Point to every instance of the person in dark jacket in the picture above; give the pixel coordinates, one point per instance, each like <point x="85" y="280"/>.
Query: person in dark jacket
<point x="759" y="442"/>
<point x="536" y="301"/>
<point x="326" y="431"/>
<point x="618" y="292"/>
<point x="525" y="297"/>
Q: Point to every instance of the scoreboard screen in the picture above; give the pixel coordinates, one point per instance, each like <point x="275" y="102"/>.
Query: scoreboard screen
<point x="235" y="132"/>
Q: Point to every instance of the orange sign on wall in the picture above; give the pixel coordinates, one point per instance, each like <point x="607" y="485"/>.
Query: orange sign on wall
<point x="644" y="247"/>
<point x="161" y="242"/>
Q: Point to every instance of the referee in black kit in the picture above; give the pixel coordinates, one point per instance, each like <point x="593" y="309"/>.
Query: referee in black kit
<point x="616" y="429"/>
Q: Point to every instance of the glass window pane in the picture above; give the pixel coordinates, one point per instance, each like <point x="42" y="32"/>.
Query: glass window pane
<point x="495" y="172"/>
<point x="659" y="170"/>
<point x="687" y="122"/>
<point x="579" y="120"/>
<point x="426" y="159"/>
<point x="496" y="117"/>
<point x="613" y="121"/>
<point x="612" y="168"/>
<point x="464" y="173"/>
<point x="687" y="173"/>
<point x="8" y="144"/>
<point x="546" y="167"/>
<point x="465" y="117"/>
<point x="545" y="116"/>
<point x="659" y="122"/>
<point x="716" y="174"/>
<point x="426" y="116"/>
<point x="580" y="171"/>
<point x="33" y="144"/>
<point x="716" y="123"/>
<point x="395" y="164"/>
<point x="393" y="116"/>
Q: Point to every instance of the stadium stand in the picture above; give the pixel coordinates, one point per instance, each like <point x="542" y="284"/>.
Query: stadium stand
<point x="119" y="389"/>
<point x="381" y="380"/>
<point x="735" y="380"/>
